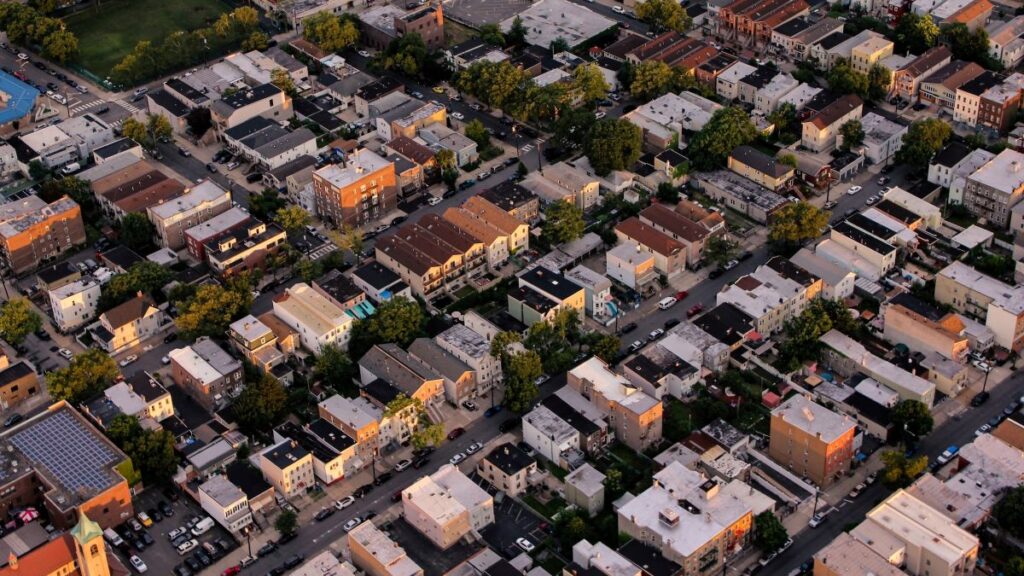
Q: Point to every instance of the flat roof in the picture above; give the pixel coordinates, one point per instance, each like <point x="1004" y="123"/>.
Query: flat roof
<point x="1005" y="172"/>
<point x="546" y="20"/>
<point x="21" y="98"/>
<point x="814" y="419"/>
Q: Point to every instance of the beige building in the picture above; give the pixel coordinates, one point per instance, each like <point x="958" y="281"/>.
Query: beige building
<point x="924" y="328"/>
<point x="446" y="506"/>
<point x="907" y="532"/>
<point x="811" y="440"/>
<point x="847" y="356"/>
<point x="773" y="294"/>
<point x="635" y="416"/>
<point x="478" y="216"/>
<point x="508" y="469"/>
<point x="357" y="418"/>
<point x="976" y="295"/>
<point x="197" y="205"/>
<point x="226" y="503"/>
<point x="847" y="556"/>
<point x="562" y="182"/>
<point x="542" y="294"/>
<point x="127" y="324"/>
<point x="377" y="555"/>
<point x="584" y="488"/>
<point x="288" y="467"/>
<point x="993" y="190"/>
<point x="208" y="373"/>
<point x="318" y="321"/>
<point x="820" y="130"/>
<point x="868" y="53"/>
<point x="760" y="168"/>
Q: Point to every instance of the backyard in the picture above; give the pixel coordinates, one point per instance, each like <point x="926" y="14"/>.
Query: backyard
<point x="109" y="30"/>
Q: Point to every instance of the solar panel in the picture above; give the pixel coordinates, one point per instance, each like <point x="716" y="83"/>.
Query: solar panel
<point x="69" y="451"/>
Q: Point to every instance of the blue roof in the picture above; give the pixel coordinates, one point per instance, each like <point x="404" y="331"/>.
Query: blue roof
<point x="20" y="98"/>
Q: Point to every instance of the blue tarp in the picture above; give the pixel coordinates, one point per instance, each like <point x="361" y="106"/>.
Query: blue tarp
<point x="20" y="98"/>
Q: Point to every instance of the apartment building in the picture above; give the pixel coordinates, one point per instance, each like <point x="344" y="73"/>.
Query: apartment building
<point x="992" y="191"/>
<point x="859" y="250"/>
<point x="33" y="232"/>
<point x="288" y="467"/>
<point x="515" y="200"/>
<point x="264" y="100"/>
<point x="256" y="341"/>
<point x="760" y="168"/>
<point x="562" y="182"/>
<point x="460" y="383"/>
<point x="142" y="396"/>
<point x="379" y="283"/>
<point x="740" y="194"/>
<point x="481" y="211"/>
<point x="377" y="555"/>
<point x="865" y="55"/>
<point x="837" y="281"/>
<point x="847" y="556"/>
<point x="820" y="130"/>
<point x="882" y="137"/>
<point x="128" y="324"/>
<point x="541" y="294"/>
<point x="441" y="137"/>
<point x="924" y="328"/>
<point x="507" y="468"/>
<point x="18" y="382"/>
<point x="268" y="145"/>
<point x="906" y="531"/>
<point x="355" y="194"/>
<point x="404" y="373"/>
<point x="697" y="522"/>
<point x="197" y="205"/>
<point x="73" y="140"/>
<point x="906" y="81"/>
<point x="474" y="349"/>
<point x="940" y="87"/>
<point x="226" y="503"/>
<point x="771" y="297"/>
<point x="73" y="305"/>
<point x="670" y="255"/>
<point x="998" y="305"/>
<point x="318" y="321"/>
<point x="968" y="97"/>
<point x="796" y="36"/>
<point x="447" y="506"/>
<point x="358" y="419"/>
<point x="811" y="440"/>
<point x="635" y="417"/>
<point x="208" y="373"/>
<point x="664" y="118"/>
<point x="847" y="357"/>
<point x="597" y="291"/>
<point x="1005" y="43"/>
<point x="244" y="248"/>
<point x="631" y="265"/>
<point x="432" y="256"/>
<point x="198" y="236"/>
<point x="752" y="21"/>
<point x="584" y="488"/>
<point x="688" y="223"/>
<point x="727" y="84"/>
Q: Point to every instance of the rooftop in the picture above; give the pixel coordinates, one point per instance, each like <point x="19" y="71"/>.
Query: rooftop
<point x="549" y="19"/>
<point x="761" y="162"/>
<point x="509" y="458"/>
<point x="1003" y="295"/>
<point x="361" y="164"/>
<point x="222" y="491"/>
<point x="384" y="550"/>
<point x="814" y="419"/>
<point x="613" y="387"/>
<point x="586" y="479"/>
<point x="1005" y="172"/>
<point x="285" y="454"/>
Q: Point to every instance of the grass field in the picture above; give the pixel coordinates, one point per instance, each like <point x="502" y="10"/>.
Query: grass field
<point x="107" y="33"/>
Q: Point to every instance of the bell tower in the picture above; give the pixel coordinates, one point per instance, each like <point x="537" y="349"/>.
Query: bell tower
<point x="89" y="547"/>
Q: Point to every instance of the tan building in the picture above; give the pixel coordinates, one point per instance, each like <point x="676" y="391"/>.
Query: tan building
<point x="318" y="321"/>
<point x="979" y="296"/>
<point x="514" y="229"/>
<point x="127" y="324"/>
<point x="562" y="182"/>
<point x="907" y="532"/>
<point x="197" y="205"/>
<point x="760" y="168"/>
<point x="79" y="552"/>
<point x="245" y="248"/>
<point x="358" y="193"/>
<point x="542" y="294"/>
<point x="357" y="418"/>
<point x="256" y="341"/>
<point x="18" y="382"/>
<point x="33" y="232"/>
<point x="847" y="556"/>
<point x="868" y="53"/>
<point x="1011" y="431"/>
<point x="688" y="223"/>
<point x="670" y="255"/>
<point x="433" y="256"/>
<point x="635" y="416"/>
<point x="820" y="130"/>
<point x="288" y="467"/>
<point x="811" y="440"/>
<point x="924" y="328"/>
<point x="446" y="506"/>
<point x="584" y="488"/>
<point x="508" y="469"/>
<point x="377" y="555"/>
<point x="208" y="373"/>
<point x="515" y="200"/>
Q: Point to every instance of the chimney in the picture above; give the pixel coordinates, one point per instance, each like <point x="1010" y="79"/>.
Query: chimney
<point x="12" y="561"/>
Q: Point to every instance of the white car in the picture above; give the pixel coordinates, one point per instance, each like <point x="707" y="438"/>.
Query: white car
<point x="816" y="520"/>
<point x="871" y="200"/>
<point x="187" y="546"/>
<point x="364" y="53"/>
<point x="59" y="98"/>
<point x="618" y="9"/>
<point x="402" y="465"/>
<point x="523" y="543"/>
<point x="434" y="201"/>
<point x="600" y="115"/>
<point x="853" y="190"/>
<point x="351" y="524"/>
<point x="655" y="334"/>
<point x="128" y="360"/>
<point x="140" y="91"/>
<point x="179" y="531"/>
<point x="345" y="502"/>
<point x="232" y="165"/>
<point x="667" y="302"/>
<point x="65" y="353"/>
<point x="985" y="429"/>
<point x="457" y="458"/>
<point x="165" y="360"/>
<point x="636" y="345"/>
<point x="474" y="448"/>
<point x="138" y="564"/>
<point x="458" y="115"/>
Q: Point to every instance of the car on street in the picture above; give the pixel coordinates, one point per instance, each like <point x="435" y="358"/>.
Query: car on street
<point x="344" y="502"/>
<point x="636" y="345"/>
<point x="293" y="561"/>
<point x="508" y="425"/>
<point x="382" y="478"/>
<point x="666" y="303"/>
<point x="817" y="520"/>
<point x="232" y="570"/>
<point x="13" y="419"/>
<point x="694" y="310"/>
<point x="671" y="322"/>
<point x="323" y="514"/>
<point x="830" y="204"/>
<point x="266" y="549"/>
<point x="65" y="353"/>
<point x="525" y="544"/>
<point x="417" y="95"/>
<point x="138" y="564"/>
<point x="541" y="379"/>
<point x="984" y="429"/>
<point x="403" y="465"/>
<point x="871" y="200"/>
<point x="457" y="115"/>
<point x="420" y="462"/>
<point x="128" y="360"/>
<point x="474" y="448"/>
<point x="856" y="491"/>
<point x="492" y="411"/>
<point x="628" y="328"/>
<point x="434" y="201"/>
<point x="948" y="454"/>
<point x="469" y="405"/>
<point x="211" y="167"/>
<point x="871" y="478"/>
<point x="853" y="190"/>
<point x="618" y="9"/>
<point x="455" y="433"/>
<point x="730" y="265"/>
<point x="980" y="398"/>
<point x="364" y="53"/>
<point x="655" y="334"/>
<point x="456" y="458"/>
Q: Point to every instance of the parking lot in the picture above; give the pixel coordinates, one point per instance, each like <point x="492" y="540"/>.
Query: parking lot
<point x="161" y="557"/>
<point x="512" y="521"/>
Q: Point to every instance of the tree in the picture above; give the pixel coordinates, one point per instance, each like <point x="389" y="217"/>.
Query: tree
<point x="797" y="222"/>
<point x="915" y="34"/>
<point x="788" y="160"/>
<point x="728" y="129"/>
<point x="136" y="231"/>
<point x="922" y="141"/>
<point x="911" y="420"/>
<point x="1014" y="566"/>
<point x="496" y="84"/>
<point x="407" y="54"/>
<point x="879" y="81"/>
<point x="1009" y="512"/>
<point x="77" y="189"/>
<point x="146" y="277"/>
<point x="491" y="34"/>
<point x="720" y="249"/>
<point x="852" y="133"/>
<point x="563" y="222"/>
<point x="967" y="45"/>
<point x="337" y="370"/>
<point x="17" y="320"/>
<point x="88" y="374"/>
<point x="559" y="45"/>
<point x="572" y="127"/>
<point x="664" y="15"/>
<point x="349" y="238"/>
<point x="398" y="321"/>
<point x="199" y="121"/>
<point x="589" y="82"/>
<point x="843" y="79"/>
<point x="330" y="32"/>
<point x="266" y="204"/>
<point x="135" y="130"/>
<point x="36" y="169"/>
<point x="60" y="46"/>
<point x="770" y="534"/>
<point x="520" y="380"/>
<point x="151" y="451"/>
<point x="292" y="218"/>
<point x="257" y="40"/>
<point x="652" y="78"/>
<point x="211" y="311"/>
<point x="500" y="345"/>
<point x="900" y="471"/>
<point x="286" y="523"/>
<point x="613" y="144"/>
<point x="282" y="79"/>
<point x="428" y="434"/>
<point x="667" y="192"/>
<point x="261" y="405"/>
<point x="477" y="132"/>
<point x="604" y="346"/>
<point x="783" y="117"/>
<point x="613" y="481"/>
<point x="516" y="35"/>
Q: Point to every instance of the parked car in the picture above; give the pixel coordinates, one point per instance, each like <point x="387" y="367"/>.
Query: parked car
<point x="948" y="454"/>
<point x="344" y="502"/>
<point x="403" y="465"/>
<point x="655" y="334"/>
<point x="266" y="549"/>
<point x="525" y="544"/>
<point x="469" y="405"/>
<point x="455" y="433"/>
<point x="628" y="328"/>
<point x="351" y="524"/>
<point x="186" y="546"/>
<point x="980" y="398"/>
<point x="671" y="322"/>
<point x="492" y="411"/>
<point x="817" y="520"/>
<point x="694" y="310"/>
<point x="382" y="478"/>
<point x="856" y="491"/>
<point x="474" y="448"/>
<point x="636" y="345"/>
<point x="454" y="460"/>
<point x="666" y="303"/>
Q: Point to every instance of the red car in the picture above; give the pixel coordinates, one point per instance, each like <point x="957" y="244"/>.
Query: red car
<point x="456" y="433"/>
<point x="694" y="310"/>
<point x="231" y="571"/>
<point x="682" y="294"/>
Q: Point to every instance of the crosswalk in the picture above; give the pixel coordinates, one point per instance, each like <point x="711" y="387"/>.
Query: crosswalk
<point x="129" y="106"/>
<point x="529" y="147"/>
<point x="78" y="109"/>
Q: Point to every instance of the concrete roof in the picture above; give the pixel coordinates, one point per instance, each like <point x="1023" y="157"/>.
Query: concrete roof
<point x="814" y="419"/>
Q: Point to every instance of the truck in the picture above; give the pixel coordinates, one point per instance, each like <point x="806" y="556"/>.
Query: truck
<point x="113" y="538"/>
<point x="948" y="454"/>
<point x="71" y="168"/>
<point x="202" y="527"/>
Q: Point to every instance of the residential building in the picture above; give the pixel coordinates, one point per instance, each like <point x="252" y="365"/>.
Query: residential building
<point x="821" y="129"/>
<point x="998" y="106"/>
<point x="245" y="248"/>
<point x="697" y="522"/>
<point x="474" y="350"/>
<point x="57" y="275"/>
<point x="659" y="371"/>
<point x="404" y="373"/>
<point x="1011" y="431"/>
<point x="760" y="168"/>
<point x="924" y="328"/>
<point x="358" y="419"/>
<point x="447" y="506"/>
<point x="812" y="440"/>
<point x="507" y="468"/>
<point x="768" y="95"/>
<point x="93" y="482"/>
<point x="18" y="382"/>
<point x="727" y="85"/>
<point x="670" y="255"/>
<point x="968" y="97"/>
<point x="381" y="27"/>
<point x="942" y="165"/>
<point x="837" y="281"/>
<point x="73" y="305"/>
<point x="743" y="195"/>
<point x="584" y="488"/>
<point x="226" y="503"/>
<point x="343" y="293"/>
<point x="433" y="257"/>
<point x="208" y="373"/>
<point x="562" y="182"/>
<point x="906" y="531"/>
<point x="664" y="118"/>
<point x="377" y="555"/>
<point x="73" y="140"/>
<point x="870" y="52"/>
<point x="872" y="257"/>
<point x="1005" y="43"/>
<point x="752" y="21"/>
<point x="847" y="556"/>
<point x="847" y="357"/>
<point x="288" y="467"/>
<point x="993" y="190"/>
<point x="198" y="236"/>
<point x="128" y="324"/>
<point x="264" y="100"/>
<point x="772" y="295"/>
<point x="266" y="144"/>
<point x="460" y="382"/>
<point x="465" y="54"/>
<point x="486" y="220"/>
<point x="796" y="36"/>
<point x="631" y="265"/>
<point x="362" y="191"/>
<point x="882" y="137"/>
<point x="597" y="291"/>
<point x="635" y="416"/>
<point x="998" y="305"/>
<point x="440" y="137"/>
<point x="81" y="551"/>
<point x="318" y="321"/>
<point x="379" y="283"/>
<point x="542" y="294"/>
<point x="197" y="205"/>
<point x="515" y="200"/>
<point x="940" y="87"/>
<point x="550" y="436"/>
<point x="33" y="231"/>
<point x="907" y="79"/>
<point x="930" y="214"/>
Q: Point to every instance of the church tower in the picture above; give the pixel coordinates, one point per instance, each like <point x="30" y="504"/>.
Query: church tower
<point x="89" y="548"/>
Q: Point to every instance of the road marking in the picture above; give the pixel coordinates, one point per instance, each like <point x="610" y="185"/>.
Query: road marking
<point x="86" y="106"/>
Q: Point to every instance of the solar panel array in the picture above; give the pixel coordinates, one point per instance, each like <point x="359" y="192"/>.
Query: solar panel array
<point x="66" y="448"/>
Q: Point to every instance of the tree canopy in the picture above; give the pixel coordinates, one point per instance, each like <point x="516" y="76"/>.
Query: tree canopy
<point x="261" y="405"/>
<point x="521" y="373"/>
<point x="852" y="133"/>
<point x="728" y="129"/>
<point x="18" y="320"/>
<point x="911" y="420"/>
<point x="87" y="375"/>
<point x="664" y="15"/>
<point x="915" y="33"/>
<point x="613" y="144"/>
<point x="1009" y="512"/>
<point x="292" y="218"/>
<point x="770" y="533"/>
<point x="720" y="249"/>
<point x="843" y="79"/>
<point x="337" y="370"/>
<point x="211" y="310"/>
<point x="900" y="471"/>
<point x="797" y="222"/>
<point x="923" y="140"/>
<point x="151" y="451"/>
<point x="145" y="276"/>
<point x="330" y="32"/>
<point x="26" y="25"/>
<point x="136" y="231"/>
<point x="589" y="82"/>
<point x="563" y="222"/>
<point x="968" y="45"/>
<point x="398" y="321"/>
<point x="287" y="523"/>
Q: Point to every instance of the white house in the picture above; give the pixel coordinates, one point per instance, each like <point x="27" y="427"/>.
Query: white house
<point x="317" y="320"/>
<point x="74" y="304"/>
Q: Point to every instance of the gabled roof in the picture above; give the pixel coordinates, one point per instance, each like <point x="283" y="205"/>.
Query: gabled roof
<point x="836" y="110"/>
<point x="128" y="312"/>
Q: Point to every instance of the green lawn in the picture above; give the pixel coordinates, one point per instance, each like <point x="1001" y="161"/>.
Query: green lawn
<point x="107" y="33"/>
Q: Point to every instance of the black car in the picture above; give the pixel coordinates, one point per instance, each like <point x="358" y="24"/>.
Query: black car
<point x="382" y="478"/>
<point x="171" y="493"/>
<point x="745" y="255"/>
<point x="165" y="509"/>
<point x="511" y="161"/>
<point x="420" y="462"/>
<point x="146" y="538"/>
<point x="138" y="544"/>
<point x="716" y="273"/>
<point x="104" y="110"/>
<point x="980" y="399"/>
<point x="399" y="220"/>
<point x="293" y="561"/>
<point x="223" y="545"/>
<point x="278" y="571"/>
<point x="363" y="490"/>
<point x="193" y="564"/>
<point x="13" y="419"/>
<point x="203" y="557"/>
<point x="211" y="167"/>
<point x="266" y="549"/>
<point x="671" y="322"/>
<point x="628" y="328"/>
<point x="286" y="538"/>
<point x="254" y="177"/>
<point x="508" y="425"/>
<point x="154" y="515"/>
<point x="182" y="570"/>
<point x="323" y="514"/>
<point x="369" y="516"/>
